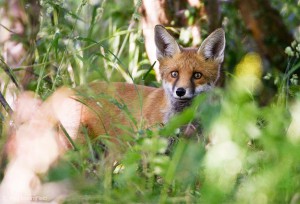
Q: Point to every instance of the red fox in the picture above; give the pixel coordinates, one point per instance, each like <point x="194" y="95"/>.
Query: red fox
<point x="185" y="73"/>
<point x="100" y="108"/>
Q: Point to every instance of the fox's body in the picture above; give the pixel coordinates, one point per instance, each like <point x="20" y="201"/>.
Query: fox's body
<point x="121" y="104"/>
<point x="185" y="73"/>
<point x="113" y="109"/>
<point x="148" y="105"/>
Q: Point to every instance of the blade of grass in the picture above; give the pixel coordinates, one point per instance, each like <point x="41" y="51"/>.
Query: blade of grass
<point x="68" y="137"/>
<point x="5" y="104"/>
<point x="171" y="171"/>
<point x="88" y="141"/>
<point x="9" y="72"/>
<point x="149" y="70"/>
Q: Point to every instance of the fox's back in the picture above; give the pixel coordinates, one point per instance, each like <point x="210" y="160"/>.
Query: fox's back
<point x="120" y="108"/>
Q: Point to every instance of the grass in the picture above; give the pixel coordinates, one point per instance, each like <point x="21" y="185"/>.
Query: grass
<point x="247" y="153"/>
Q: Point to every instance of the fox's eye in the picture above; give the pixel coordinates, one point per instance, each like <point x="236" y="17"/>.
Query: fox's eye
<point x="197" y="75"/>
<point x="174" y="74"/>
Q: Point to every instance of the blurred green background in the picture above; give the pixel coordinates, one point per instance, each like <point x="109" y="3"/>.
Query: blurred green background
<point x="250" y="146"/>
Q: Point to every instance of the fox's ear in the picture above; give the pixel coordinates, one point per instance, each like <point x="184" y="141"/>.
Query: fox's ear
<point x="166" y="45"/>
<point x="213" y="46"/>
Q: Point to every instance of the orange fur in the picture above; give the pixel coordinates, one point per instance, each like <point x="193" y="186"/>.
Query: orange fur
<point x="186" y="63"/>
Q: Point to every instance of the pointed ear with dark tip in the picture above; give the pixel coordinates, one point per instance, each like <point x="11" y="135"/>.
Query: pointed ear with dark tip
<point x="166" y="45"/>
<point x="213" y="46"/>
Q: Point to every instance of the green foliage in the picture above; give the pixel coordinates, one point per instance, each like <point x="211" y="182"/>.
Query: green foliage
<point x="246" y="153"/>
<point x="289" y="9"/>
<point x="74" y="49"/>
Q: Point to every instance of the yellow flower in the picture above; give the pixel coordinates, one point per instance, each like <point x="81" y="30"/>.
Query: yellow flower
<point x="250" y="65"/>
<point x="249" y="72"/>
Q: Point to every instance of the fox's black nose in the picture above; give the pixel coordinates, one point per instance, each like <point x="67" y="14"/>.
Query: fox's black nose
<point x="180" y="92"/>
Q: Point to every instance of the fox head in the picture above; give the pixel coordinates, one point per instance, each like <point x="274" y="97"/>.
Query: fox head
<point x="186" y="72"/>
